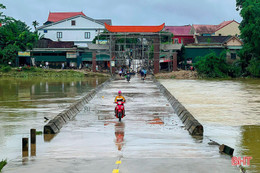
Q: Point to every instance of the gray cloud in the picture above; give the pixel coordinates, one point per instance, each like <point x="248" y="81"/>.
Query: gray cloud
<point x="134" y="12"/>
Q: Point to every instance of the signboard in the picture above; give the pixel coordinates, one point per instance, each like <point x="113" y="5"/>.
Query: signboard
<point x="24" y="54"/>
<point x="113" y="63"/>
<point x="165" y="60"/>
<point x="101" y="41"/>
<point x="71" y="55"/>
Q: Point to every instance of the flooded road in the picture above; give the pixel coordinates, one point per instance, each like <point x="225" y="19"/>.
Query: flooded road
<point x="25" y="102"/>
<point x="151" y="138"/>
<point x="228" y="110"/>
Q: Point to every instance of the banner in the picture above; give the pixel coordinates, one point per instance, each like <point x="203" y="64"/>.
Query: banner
<point x="24" y="54"/>
<point x="71" y="55"/>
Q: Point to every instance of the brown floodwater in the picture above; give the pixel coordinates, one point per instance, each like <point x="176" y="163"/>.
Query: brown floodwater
<point x="229" y="110"/>
<point x="25" y="102"/>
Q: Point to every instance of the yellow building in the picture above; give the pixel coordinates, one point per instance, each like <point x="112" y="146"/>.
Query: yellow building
<point x="228" y="28"/>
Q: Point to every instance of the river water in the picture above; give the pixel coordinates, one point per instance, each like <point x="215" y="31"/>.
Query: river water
<point x="229" y="110"/>
<point x="25" y="102"/>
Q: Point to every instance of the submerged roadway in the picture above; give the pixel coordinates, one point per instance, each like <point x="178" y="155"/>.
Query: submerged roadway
<point x="150" y="139"/>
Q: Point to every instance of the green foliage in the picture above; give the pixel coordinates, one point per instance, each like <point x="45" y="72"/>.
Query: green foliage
<point x="35" y="24"/>
<point x="2" y="7"/>
<point x="235" y="69"/>
<point x="102" y="36"/>
<point x="2" y="164"/>
<point x="38" y="132"/>
<point x="250" y="27"/>
<point x="254" y="67"/>
<point x="30" y="69"/>
<point x="17" y="33"/>
<point x="8" y="54"/>
<point x="212" y="66"/>
<point x="166" y="37"/>
<point x="5" y="69"/>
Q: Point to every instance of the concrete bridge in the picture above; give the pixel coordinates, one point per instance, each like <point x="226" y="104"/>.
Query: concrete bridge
<point x="150" y="139"/>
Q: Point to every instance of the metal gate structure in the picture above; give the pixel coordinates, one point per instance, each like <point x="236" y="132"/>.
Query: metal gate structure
<point x="135" y="47"/>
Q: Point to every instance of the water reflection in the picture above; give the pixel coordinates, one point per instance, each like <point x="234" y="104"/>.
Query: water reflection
<point x="119" y="133"/>
<point x="250" y="144"/>
<point x="24" y="102"/>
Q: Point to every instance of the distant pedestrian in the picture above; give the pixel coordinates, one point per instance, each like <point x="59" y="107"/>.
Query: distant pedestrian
<point x="120" y="73"/>
<point x="144" y="71"/>
<point x="62" y="66"/>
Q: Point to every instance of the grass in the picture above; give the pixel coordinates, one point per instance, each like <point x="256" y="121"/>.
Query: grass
<point x="38" y="132"/>
<point x="49" y="73"/>
<point x="38" y="72"/>
<point x="2" y="164"/>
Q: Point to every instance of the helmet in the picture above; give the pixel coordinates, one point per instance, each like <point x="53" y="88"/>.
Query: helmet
<point x="119" y="92"/>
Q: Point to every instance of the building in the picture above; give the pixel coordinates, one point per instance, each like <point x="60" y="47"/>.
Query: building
<point x="181" y="34"/>
<point x="225" y="28"/>
<point x="207" y="44"/>
<point x="72" y="26"/>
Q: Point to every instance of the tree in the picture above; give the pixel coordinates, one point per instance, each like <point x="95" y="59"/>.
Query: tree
<point x="212" y="66"/>
<point x="250" y="27"/>
<point x="2" y="7"/>
<point x="35" y="24"/>
<point x="9" y="53"/>
<point x="17" y="33"/>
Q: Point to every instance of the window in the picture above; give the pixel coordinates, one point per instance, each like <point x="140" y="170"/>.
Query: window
<point x="233" y="56"/>
<point x="87" y="35"/>
<point x="176" y="41"/>
<point x="59" y="34"/>
<point x="45" y="31"/>
<point x="73" y="23"/>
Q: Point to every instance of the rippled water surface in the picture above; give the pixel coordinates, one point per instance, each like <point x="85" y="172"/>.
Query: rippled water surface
<point x="25" y="102"/>
<point x="228" y="110"/>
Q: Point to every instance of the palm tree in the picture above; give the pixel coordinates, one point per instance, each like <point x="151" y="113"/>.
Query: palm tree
<point x="2" y="7"/>
<point x="35" y="24"/>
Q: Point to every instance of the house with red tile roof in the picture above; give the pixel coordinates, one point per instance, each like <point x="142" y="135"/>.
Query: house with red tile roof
<point x="181" y="34"/>
<point x="225" y="28"/>
<point x="72" y="26"/>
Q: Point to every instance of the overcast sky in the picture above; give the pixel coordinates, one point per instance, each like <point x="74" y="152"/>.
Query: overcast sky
<point x="129" y="12"/>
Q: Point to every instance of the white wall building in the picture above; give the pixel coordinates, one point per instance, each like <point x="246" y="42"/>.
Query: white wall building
<point x="75" y="27"/>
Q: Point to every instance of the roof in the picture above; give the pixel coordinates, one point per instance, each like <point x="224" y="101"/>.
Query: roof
<point x="212" y="39"/>
<point x="225" y="23"/>
<point x="205" y="29"/>
<point x="179" y="30"/>
<point x="58" y="16"/>
<point x="209" y="29"/>
<point x="48" y="43"/>
<point x="108" y="21"/>
<point x="135" y="29"/>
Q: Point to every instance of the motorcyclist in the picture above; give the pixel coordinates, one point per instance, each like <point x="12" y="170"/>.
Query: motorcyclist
<point x="119" y="97"/>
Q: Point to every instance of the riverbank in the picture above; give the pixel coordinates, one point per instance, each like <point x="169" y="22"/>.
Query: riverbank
<point x="50" y="73"/>
<point x="182" y="74"/>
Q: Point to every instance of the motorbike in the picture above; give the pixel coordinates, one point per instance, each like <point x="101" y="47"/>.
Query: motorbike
<point x="128" y="77"/>
<point x="120" y="110"/>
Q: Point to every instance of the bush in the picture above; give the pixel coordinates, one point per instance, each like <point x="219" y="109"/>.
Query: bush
<point x="29" y="69"/>
<point x="235" y="70"/>
<point x="212" y="66"/>
<point x="2" y="164"/>
<point x="254" y="67"/>
<point x="6" y="69"/>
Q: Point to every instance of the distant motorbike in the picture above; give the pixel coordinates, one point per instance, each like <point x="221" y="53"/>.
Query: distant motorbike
<point x="128" y="77"/>
<point x="120" y="110"/>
